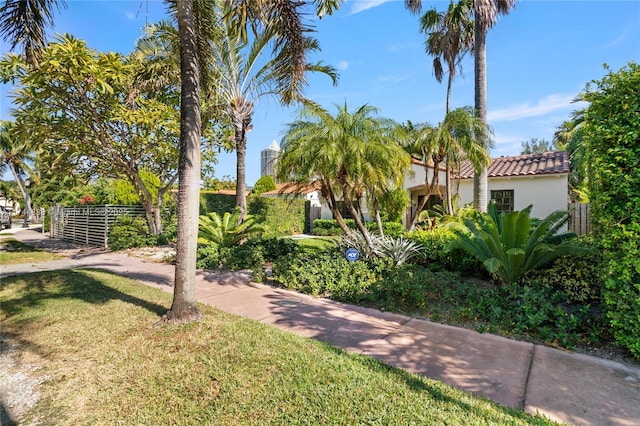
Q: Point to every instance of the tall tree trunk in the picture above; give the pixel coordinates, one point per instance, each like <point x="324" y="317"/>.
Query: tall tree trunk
<point x="241" y="153"/>
<point x="480" y="179"/>
<point x="430" y="191"/>
<point x="356" y="215"/>
<point x="183" y="307"/>
<point x="449" y="202"/>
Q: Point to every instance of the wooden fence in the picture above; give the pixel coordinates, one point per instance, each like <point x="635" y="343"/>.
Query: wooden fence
<point x="88" y="225"/>
<point x="579" y="218"/>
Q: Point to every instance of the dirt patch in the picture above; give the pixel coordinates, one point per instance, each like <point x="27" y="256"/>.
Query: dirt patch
<point x="18" y="383"/>
<point x="159" y="254"/>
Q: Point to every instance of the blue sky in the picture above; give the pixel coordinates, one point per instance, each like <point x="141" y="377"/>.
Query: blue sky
<point x="539" y="58"/>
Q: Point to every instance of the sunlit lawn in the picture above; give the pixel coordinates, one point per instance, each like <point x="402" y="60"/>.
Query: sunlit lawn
<point x="316" y="243"/>
<point x="13" y="251"/>
<point x="92" y="335"/>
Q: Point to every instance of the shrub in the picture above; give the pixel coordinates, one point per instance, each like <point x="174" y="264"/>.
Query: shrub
<point x="390" y="229"/>
<point x="225" y="231"/>
<point x="326" y="227"/>
<point x="400" y="250"/>
<point x="274" y="248"/>
<point x="438" y="250"/>
<point x="243" y="256"/>
<point x="278" y="217"/>
<point x="403" y="288"/>
<point x="578" y="278"/>
<point x="509" y="246"/>
<point x="536" y="311"/>
<point x="208" y="256"/>
<point x="128" y="231"/>
<point x="612" y="154"/>
<point x="328" y="274"/>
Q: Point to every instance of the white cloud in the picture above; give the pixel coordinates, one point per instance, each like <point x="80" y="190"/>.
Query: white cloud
<point x="362" y="5"/>
<point x="343" y="65"/>
<point x="549" y="104"/>
<point x="393" y="78"/>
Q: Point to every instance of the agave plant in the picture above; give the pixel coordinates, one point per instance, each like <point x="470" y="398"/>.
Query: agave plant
<point x="400" y="250"/>
<point x="509" y="245"/>
<point x="225" y="231"/>
<point x="354" y="239"/>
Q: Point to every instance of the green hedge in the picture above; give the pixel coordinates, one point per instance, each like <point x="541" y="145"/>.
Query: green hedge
<point x="612" y="147"/>
<point x="326" y="227"/>
<point x="279" y="217"/>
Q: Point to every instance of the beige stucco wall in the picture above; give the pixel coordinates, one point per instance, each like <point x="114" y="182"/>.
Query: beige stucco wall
<point x="547" y="193"/>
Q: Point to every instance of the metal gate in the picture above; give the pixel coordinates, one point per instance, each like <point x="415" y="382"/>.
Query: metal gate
<point x="88" y="225"/>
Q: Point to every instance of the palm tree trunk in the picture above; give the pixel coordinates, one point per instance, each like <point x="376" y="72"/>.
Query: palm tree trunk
<point x="434" y="181"/>
<point x="241" y="153"/>
<point x="183" y="307"/>
<point x="480" y="179"/>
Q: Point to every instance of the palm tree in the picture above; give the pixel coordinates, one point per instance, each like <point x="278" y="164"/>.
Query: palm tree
<point x="450" y="37"/>
<point x="459" y="137"/>
<point x="194" y="22"/>
<point x="346" y="155"/>
<point x="243" y="78"/>
<point x="16" y="154"/>
<point x="485" y="14"/>
<point x="24" y="23"/>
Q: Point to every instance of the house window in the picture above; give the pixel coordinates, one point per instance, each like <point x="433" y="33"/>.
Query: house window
<point x="503" y="199"/>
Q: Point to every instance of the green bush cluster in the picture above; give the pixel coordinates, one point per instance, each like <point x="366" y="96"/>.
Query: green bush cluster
<point x="279" y="217"/>
<point x="438" y="251"/>
<point x="404" y="288"/>
<point x="612" y="150"/>
<point x="130" y="231"/>
<point x="327" y="274"/>
<point x="329" y="227"/>
<point x="577" y="277"/>
<point x="211" y="201"/>
<point x="536" y="311"/>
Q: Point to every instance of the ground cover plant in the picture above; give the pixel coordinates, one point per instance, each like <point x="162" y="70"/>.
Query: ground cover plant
<point x="544" y="307"/>
<point x="222" y="369"/>
<point x="13" y="252"/>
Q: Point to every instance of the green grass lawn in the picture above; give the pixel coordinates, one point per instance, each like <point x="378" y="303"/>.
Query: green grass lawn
<point x="92" y="335"/>
<point x="316" y="243"/>
<point x="13" y="251"/>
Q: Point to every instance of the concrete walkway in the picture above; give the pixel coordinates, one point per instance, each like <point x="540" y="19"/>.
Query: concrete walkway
<point x="571" y="388"/>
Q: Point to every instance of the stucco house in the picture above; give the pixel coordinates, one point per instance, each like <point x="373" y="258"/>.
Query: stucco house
<point x="514" y="182"/>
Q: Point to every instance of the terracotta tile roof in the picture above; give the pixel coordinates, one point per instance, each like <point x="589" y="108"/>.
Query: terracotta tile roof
<point x="230" y="192"/>
<point x="523" y="165"/>
<point x="292" y="188"/>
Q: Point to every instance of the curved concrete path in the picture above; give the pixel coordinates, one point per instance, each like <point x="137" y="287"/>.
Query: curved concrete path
<point x="567" y="387"/>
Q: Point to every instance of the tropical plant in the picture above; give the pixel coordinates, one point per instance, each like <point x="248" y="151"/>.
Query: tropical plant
<point x="226" y="231"/>
<point x="27" y="25"/>
<point x="353" y="239"/>
<point x="460" y="136"/>
<point x="351" y="156"/>
<point x="400" y="250"/>
<point x="509" y="245"/>
<point x="17" y="154"/>
<point x="485" y="13"/>
<point x="449" y="38"/>
<point x="244" y="77"/>
<point x="264" y="184"/>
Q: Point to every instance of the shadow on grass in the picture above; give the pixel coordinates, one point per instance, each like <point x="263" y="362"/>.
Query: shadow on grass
<point x="38" y="288"/>
<point x="374" y="334"/>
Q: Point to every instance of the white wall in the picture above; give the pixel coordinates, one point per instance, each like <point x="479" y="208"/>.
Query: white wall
<point x="547" y="193"/>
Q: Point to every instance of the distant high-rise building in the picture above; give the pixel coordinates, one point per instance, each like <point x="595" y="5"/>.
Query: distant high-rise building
<point x="268" y="159"/>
